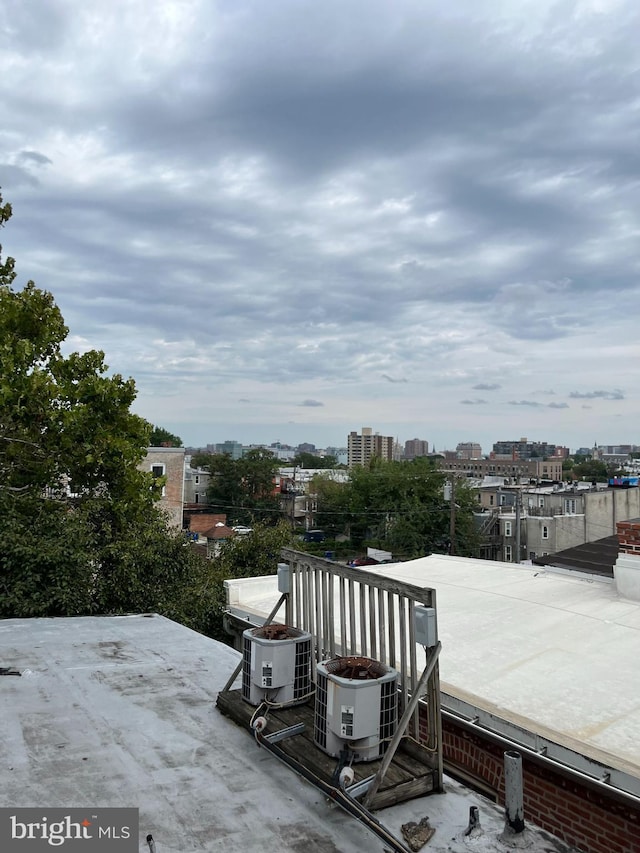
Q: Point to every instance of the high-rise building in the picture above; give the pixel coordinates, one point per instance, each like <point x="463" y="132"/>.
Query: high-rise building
<point x="361" y="447"/>
<point x="231" y="448"/>
<point x="415" y="447"/>
<point x="469" y="450"/>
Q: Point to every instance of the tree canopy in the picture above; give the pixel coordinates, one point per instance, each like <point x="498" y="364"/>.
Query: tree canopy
<point x="161" y="437"/>
<point x="79" y="529"/>
<point x="397" y="506"/>
<point x="245" y="488"/>
<point x="310" y="460"/>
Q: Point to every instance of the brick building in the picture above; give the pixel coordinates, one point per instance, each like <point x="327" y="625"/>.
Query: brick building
<point x="168" y="462"/>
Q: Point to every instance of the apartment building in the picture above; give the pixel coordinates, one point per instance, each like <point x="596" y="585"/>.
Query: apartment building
<point x="361" y="447"/>
<point x="508" y="468"/>
<point x="469" y="450"/>
<point x="523" y="449"/>
<point x="415" y="447"/>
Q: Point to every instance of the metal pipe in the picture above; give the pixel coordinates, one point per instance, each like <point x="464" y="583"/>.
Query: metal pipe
<point x="513" y="795"/>
<point x="339" y="796"/>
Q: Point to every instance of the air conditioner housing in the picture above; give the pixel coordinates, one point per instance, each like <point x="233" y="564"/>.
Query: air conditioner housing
<point x="356" y="707"/>
<point x="276" y="665"/>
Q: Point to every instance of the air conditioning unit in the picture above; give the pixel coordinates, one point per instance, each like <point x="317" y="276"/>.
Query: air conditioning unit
<point x="356" y="707"/>
<point x="276" y="665"/>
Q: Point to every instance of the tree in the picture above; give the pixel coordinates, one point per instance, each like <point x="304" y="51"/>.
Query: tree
<point x="397" y="506"/>
<point x="310" y="460"/>
<point x="593" y="469"/>
<point x="245" y="488"/>
<point x="201" y="459"/>
<point x="161" y="437"/>
<point x="250" y="555"/>
<point x="79" y="529"/>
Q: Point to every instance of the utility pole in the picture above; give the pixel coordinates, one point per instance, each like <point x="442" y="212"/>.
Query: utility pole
<point x="452" y="518"/>
<point x="518" y="500"/>
<point x="293" y="501"/>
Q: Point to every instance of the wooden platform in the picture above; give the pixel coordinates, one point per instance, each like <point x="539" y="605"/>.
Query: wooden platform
<point x="408" y="776"/>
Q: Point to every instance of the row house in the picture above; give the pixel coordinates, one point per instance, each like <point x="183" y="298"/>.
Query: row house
<point x="547" y="520"/>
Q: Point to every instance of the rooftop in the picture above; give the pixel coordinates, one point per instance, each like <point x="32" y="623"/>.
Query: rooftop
<point x="552" y="652"/>
<point x="119" y="711"/>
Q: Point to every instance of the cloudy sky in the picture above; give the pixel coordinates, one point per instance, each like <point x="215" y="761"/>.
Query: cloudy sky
<point x="288" y="219"/>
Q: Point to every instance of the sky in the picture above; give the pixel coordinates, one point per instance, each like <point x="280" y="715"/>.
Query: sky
<point x="287" y="220"/>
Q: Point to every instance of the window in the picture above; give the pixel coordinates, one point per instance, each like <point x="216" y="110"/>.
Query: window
<point x="197" y="497"/>
<point x="156" y="472"/>
<point x="490" y="500"/>
<point x="545" y="532"/>
<point x="570" y="506"/>
<point x="541" y="502"/>
<point x="507" y="553"/>
<point x="507" y="528"/>
<point x="197" y="479"/>
<point x="532" y="555"/>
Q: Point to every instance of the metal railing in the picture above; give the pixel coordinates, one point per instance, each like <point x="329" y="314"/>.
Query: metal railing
<point x="352" y="611"/>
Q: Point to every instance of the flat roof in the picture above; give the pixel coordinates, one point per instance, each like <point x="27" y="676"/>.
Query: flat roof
<point x="120" y="711"/>
<point x="553" y="652"/>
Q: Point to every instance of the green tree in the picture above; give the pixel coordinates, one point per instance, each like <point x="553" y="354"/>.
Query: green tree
<point x="201" y="459"/>
<point x="161" y="437"/>
<point x="245" y="488"/>
<point x="310" y="460"/>
<point x="79" y="529"/>
<point x="593" y="469"/>
<point x="397" y="506"/>
<point x="250" y="555"/>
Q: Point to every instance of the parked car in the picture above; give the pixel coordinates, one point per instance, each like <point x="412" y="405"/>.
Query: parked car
<point x="314" y="536"/>
<point x="363" y="561"/>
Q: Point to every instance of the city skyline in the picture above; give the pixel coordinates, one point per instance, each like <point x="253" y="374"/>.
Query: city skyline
<point x="290" y="219"/>
<point x="485" y="451"/>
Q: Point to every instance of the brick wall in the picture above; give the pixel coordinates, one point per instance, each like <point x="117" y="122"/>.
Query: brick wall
<point x="172" y="460"/>
<point x="574" y="812"/>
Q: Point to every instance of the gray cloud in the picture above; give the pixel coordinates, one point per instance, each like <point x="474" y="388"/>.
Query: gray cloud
<point x="594" y="395"/>
<point x="311" y="403"/>
<point x="557" y="405"/>
<point x="532" y="403"/>
<point x="34" y="157"/>
<point x="281" y="202"/>
<point x="473" y="402"/>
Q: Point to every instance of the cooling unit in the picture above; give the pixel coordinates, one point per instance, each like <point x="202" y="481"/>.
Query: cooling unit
<point x="276" y="665"/>
<point x="356" y="706"/>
